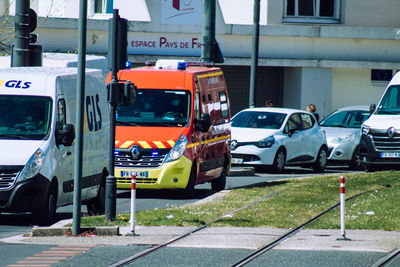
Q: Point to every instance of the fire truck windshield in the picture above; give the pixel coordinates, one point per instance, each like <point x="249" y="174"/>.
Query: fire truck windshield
<point x="155" y="107"/>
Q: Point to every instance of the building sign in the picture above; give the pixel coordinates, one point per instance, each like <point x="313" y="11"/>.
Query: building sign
<point x="166" y="44"/>
<point x="181" y="12"/>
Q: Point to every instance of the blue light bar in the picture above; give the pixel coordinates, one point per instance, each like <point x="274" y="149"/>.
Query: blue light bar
<point x="181" y="65"/>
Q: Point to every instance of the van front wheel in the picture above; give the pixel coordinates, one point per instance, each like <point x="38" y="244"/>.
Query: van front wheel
<point x="48" y="213"/>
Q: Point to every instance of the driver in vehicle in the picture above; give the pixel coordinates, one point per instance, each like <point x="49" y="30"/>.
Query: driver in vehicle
<point x="176" y="108"/>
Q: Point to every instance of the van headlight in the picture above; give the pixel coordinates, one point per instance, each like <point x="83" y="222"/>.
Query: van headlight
<point x="177" y="151"/>
<point x="365" y="130"/>
<point x="33" y="166"/>
<point x="266" y="142"/>
<point x="343" y="139"/>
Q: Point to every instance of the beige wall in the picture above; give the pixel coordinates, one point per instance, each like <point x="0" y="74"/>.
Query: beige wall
<point x="371" y="13"/>
<point x="354" y="87"/>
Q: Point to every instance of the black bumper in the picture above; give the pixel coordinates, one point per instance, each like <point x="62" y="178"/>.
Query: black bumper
<point x="25" y="196"/>
<point x="371" y="157"/>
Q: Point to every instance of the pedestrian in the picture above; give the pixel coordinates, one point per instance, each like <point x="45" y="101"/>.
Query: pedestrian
<point x="313" y="110"/>
<point x="269" y="103"/>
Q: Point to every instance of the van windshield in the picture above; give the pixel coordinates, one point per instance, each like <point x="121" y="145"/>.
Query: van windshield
<point x="25" y="117"/>
<point x="390" y="103"/>
<point x="156" y="107"/>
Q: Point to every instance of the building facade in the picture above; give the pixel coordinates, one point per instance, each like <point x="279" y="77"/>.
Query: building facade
<point x="331" y="53"/>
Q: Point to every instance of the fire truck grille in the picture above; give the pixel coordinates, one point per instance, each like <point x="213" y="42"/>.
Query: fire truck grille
<point x="150" y="158"/>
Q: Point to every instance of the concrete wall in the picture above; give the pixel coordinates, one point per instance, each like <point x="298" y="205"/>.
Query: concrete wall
<point x="303" y="86"/>
<point x="364" y="13"/>
<point x="316" y="88"/>
<point x="354" y="87"/>
<point x="371" y="13"/>
<point x="292" y="88"/>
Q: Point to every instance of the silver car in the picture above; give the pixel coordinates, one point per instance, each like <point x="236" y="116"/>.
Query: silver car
<point x="343" y="132"/>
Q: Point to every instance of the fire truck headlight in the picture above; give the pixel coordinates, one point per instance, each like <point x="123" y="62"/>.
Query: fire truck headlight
<point x="33" y="165"/>
<point x="177" y="151"/>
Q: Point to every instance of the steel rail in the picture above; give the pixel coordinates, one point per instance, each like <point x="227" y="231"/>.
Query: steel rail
<point x="145" y="252"/>
<point x="387" y="258"/>
<point x="277" y="241"/>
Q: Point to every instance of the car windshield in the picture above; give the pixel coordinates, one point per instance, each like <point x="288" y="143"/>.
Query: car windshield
<point x="258" y="119"/>
<point x="156" y="107"/>
<point x="390" y="103"/>
<point x="25" y="117"/>
<point x="346" y="119"/>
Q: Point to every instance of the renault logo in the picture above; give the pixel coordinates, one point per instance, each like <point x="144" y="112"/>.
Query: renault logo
<point x="135" y="152"/>
<point x="234" y="144"/>
<point x="390" y="132"/>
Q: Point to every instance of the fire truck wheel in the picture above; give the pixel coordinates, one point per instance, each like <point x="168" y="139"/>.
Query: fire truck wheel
<point x="219" y="183"/>
<point x="189" y="190"/>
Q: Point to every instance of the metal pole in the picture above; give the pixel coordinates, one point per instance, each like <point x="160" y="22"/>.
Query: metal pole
<point x="208" y="31"/>
<point x="79" y="117"/>
<point x="133" y="202"/>
<point x="111" y="184"/>
<point x="20" y="53"/>
<point x="342" y="209"/>
<point x="254" y="52"/>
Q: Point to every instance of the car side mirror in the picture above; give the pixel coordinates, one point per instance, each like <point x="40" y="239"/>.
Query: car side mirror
<point x="372" y="108"/>
<point x="66" y="135"/>
<point x="291" y="131"/>
<point x="204" y="123"/>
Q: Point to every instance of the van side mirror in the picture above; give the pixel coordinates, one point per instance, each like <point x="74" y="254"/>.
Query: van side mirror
<point x="204" y="123"/>
<point x="66" y="135"/>
<point x="372" y="108"/>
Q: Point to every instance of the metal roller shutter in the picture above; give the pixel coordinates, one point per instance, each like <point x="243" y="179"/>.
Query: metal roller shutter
<point x="269" y="86"/>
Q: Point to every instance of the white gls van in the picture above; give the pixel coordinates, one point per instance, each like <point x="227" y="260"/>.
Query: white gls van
<point x="380" y="133"/>
<point x="37" y="133"/>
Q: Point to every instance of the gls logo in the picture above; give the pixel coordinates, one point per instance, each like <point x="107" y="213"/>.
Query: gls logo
<point x="15" y="84"/>
<point x="93" y="112"/>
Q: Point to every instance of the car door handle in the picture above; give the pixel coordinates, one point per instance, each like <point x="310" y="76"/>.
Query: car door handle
<point x="69" y="153"/>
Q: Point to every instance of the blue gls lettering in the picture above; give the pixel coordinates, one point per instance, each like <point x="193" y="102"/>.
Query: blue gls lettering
<point x="17" y="84"/>
<point x="93" y="113"/>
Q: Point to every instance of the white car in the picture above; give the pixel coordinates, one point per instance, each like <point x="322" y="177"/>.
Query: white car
<point x="343" y="133"/>
<point x="276" y="137"/>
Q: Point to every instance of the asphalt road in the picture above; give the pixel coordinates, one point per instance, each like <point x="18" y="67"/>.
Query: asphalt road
<point x="15" y="224"/>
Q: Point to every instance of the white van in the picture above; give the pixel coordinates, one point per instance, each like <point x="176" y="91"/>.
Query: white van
<point x="37" y="133"/>
<point x="380" y="133"/>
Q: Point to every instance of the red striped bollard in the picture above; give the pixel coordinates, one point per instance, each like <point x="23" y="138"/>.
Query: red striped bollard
<point x="133" y="198"/>
<point x="342" y="209"/>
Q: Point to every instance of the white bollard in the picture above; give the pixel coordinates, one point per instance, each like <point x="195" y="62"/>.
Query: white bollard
<point x="342" y="209"/>
<point x="133" y="198"/>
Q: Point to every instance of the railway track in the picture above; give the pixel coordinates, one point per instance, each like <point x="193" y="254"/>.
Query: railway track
<point x="250" y="257"/>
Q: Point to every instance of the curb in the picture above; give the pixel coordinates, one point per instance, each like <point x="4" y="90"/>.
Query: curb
<point x="241" y="171"/>
<point x="67" y="231"/>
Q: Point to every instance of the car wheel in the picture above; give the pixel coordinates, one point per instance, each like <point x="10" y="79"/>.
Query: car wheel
<point x="355" y="163"/>
<point x="320" y="163"/>
<point x="219" y="183"/>
<point x="369" y="168"/>
<point x="48" y="212"/>
<point x="97" y="205"/>
<point x="279" y="160"/>
<point x="189" y="190"/>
